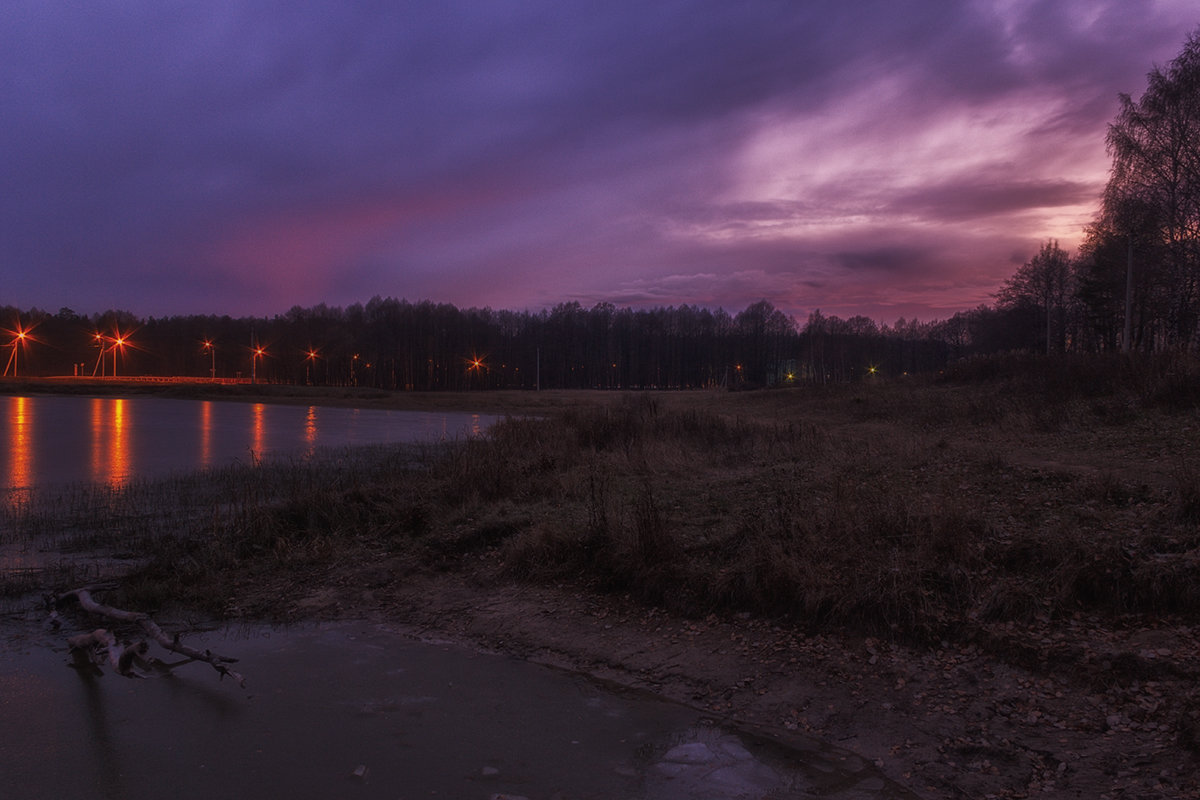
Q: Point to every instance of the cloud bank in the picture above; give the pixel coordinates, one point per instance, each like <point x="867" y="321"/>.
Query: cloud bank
<point x="884" y="158"/>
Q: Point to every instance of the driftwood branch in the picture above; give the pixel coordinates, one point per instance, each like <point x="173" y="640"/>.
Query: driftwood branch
<point x="100" y="644"/>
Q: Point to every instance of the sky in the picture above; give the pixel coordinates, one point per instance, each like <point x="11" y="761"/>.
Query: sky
<point x="891" y="158"/>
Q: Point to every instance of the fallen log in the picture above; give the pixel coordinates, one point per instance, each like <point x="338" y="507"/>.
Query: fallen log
<point x="90" y="650"/>
<point x="86" y="647"/>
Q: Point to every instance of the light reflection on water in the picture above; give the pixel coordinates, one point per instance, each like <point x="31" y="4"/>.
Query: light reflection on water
<point x="206" y="445"/>
<point x="109" y="440"/>
<point x="20" y="444"/>
<point x="110" y="443"/>
<point x="259" y="427"/>
<point x="310" y="426"/>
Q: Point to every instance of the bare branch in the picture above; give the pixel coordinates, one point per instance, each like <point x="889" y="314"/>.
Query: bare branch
<point x="123" y="661"/>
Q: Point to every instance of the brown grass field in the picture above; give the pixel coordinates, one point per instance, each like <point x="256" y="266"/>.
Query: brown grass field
<point x="985" y="582"/>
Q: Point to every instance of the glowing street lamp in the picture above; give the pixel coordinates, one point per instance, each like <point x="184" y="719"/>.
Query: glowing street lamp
<point x="476" y="364"/>
<point x="20" y="337"/>
<point x="310" y="358"/>
<point x="212" y="349"/>
<point x="258" y="353"/>
<point x="116" y="343"/>
<point x="99" y="359"/>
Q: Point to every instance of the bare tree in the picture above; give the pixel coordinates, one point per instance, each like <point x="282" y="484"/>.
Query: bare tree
<point x="1045" y="282"/>
<point x="1155" y="147"/>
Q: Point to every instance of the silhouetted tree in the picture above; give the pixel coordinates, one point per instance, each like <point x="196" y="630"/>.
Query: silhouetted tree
<point x="1155" y="148"/>
<point x="1044" y="282"/>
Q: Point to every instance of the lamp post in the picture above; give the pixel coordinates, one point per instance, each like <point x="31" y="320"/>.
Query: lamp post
<point x="118" y="342"/>
<point x="19" y="338"/>
<point x="100" y="358"/>
<point x="476" y="365"/>
<point x="212" y="350"/>
<point x="310" y="359"/>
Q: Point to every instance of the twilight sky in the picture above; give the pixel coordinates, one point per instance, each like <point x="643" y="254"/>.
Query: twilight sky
<point x="883" y="157"/>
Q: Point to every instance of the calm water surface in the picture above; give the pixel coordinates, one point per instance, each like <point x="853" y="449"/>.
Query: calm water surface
<point x="358" y="711"/>
<point x="52" y="440"/>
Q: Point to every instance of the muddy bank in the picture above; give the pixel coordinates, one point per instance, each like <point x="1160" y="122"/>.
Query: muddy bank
<point x="948" y="723"/>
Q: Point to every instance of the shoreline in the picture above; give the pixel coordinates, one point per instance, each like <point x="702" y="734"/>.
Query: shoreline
<point x="491" y="401"/>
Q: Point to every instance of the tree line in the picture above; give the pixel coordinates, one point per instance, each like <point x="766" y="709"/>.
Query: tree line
<point x="399" y="345"/>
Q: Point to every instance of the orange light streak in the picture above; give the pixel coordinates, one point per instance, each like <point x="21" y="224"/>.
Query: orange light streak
<point x="310" y="426"/>
<point x="21" y="443"/>
<point x="119" y="445"/>
<point x="206" y="432"/>
<point x="98" y="437"/>
<point x="258" y="432"/>
<point x="111" y="462"/>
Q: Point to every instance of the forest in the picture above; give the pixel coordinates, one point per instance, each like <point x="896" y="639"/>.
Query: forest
<point x="1132" y="286"/>
<point x="397" y="345"/>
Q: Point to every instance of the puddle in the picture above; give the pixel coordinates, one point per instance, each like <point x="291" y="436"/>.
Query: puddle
<point x="357" y="711"/>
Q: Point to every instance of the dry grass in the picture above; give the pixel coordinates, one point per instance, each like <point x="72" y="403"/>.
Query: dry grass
<point x="914" y="510"/>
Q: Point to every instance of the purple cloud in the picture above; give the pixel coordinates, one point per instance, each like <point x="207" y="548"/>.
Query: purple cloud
<point x="244" y="157"/>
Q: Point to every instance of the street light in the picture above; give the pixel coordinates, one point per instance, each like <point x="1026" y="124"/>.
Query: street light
<point x="117" y="342"/>
<point x="258" y="353"/>
<point x="20" y="336"/>
<point x="99" y="359"/>
<point x="212" y="349"/>
<point x="310" y="359"/>
<point x="475" y="364"/>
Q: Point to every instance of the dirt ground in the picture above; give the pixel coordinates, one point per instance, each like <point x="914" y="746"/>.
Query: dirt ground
<point x="1091" y="714"/>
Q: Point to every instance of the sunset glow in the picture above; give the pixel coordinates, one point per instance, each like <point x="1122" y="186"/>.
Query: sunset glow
<point x="880" y="158"/>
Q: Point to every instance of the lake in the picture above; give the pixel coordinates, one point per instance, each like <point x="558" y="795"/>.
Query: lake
<point x="50" y="440"/>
